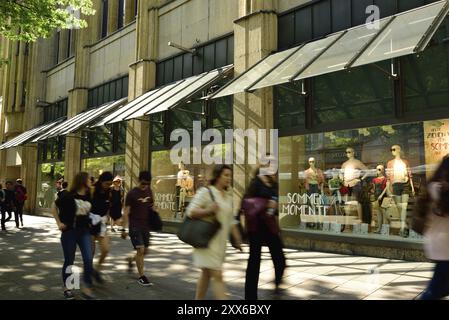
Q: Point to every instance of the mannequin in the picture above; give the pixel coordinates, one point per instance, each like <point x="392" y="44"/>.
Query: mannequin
<point x="380" y="189"/>
<point x="314" y="178"/>
<point x="400" y="183"/>
<point x="351" y="172"/>
<point x="184" y="186"/>
<point x="334" y="186"/>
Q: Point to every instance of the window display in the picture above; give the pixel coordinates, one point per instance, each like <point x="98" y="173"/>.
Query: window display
<point x="96" y="166"/>
<point x="48" y="176"/>
<point x="352" y="181"/>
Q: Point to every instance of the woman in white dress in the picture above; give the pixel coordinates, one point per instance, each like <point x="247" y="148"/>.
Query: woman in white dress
<point x="210" y="260"/>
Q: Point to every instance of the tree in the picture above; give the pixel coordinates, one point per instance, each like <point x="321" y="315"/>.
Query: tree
<point x="28" y="20"/>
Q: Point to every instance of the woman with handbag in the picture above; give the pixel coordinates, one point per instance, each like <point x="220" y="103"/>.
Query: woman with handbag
<point x="214" y="201"/>
<point x="436" y="232"/>
<point x="71" y="212"/>
<point x="263" y="230"/>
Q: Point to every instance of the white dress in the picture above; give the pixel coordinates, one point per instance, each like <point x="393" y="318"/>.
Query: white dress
<point x="213" y="256"/>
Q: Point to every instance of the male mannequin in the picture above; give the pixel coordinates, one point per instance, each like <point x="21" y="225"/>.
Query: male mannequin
<point x="184" y="185"/>
<point x="400" y="183"/>
<point x="351" y="172"/>
<point x="314" y="178"/>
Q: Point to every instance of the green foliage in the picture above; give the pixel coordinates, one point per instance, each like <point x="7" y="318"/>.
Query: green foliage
<point x="28" y="20"/>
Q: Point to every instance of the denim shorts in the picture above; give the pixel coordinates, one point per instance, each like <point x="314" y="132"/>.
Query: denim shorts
<point x="139" y="238"/>
<point x="401" y="188"/>
<point x="356" y="191"/>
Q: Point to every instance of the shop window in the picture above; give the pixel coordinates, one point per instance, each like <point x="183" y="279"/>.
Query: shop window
<point x="124" y="87"/>
<point x="187" y="63"/>
<point x="198" y="60"/>
<point x="427" y="76"/>
<point x="177" y="68"/>
<point x="209" y="57"/>
<point x="168" y="71"/>
<point x="363" y="93"/>
<point x="303" y="25"/>
<point x="341" y="15"/>
<point x="121" y="138"/>
<point x="121" y="14"/>
<point x="102" y="140"/>
<point x="158" y="129"/>
<point x="221" y="113"/>
<point x="96" y="166"/>
<point x="358" y="11"/>
<point x="285" y="39"/>
<point x="322" y="19"/>
<point x="290" y="106"/>
<point x="184" y="115"/>
<point x="230" y="52"/>
<point x="332" y="181"/>
<point x="220" y="52"/>
<point x="174" y="184"/>
<point x="48" y="175"/>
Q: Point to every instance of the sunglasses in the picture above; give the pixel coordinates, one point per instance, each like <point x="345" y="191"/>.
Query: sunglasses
<point x="145" y="183"/>
<point x="393" y="149"/>
<point x="347" y="152"/>
<point x="311" y="161"/>
<point x="379" y="169"/>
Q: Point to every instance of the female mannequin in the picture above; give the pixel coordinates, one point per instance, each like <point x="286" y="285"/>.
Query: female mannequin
<point x="380" y="189"/>
<point x="400" y="183"/>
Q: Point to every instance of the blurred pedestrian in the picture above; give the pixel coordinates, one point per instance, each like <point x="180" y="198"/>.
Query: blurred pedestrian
<point x="10" y="204"/>
<point x="71" y="212"/>
<point x="264" y="230"/>
<point x="64" y="186"/>
<point x="435" y="206"/>
<point x="216" y="201"/>
<point x="100" y="206"/>
<point x="2" y="207"/>
<point x="117" y="197"/>
<point x="21" y="197"/>
<point x="138" y="204"/>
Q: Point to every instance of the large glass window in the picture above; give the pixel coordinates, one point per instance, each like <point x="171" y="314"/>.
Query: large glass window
<point x="47" y="175"/>
<point x="427" y="76"/>
<point x="358" y="181"/>
<point x="290" y="105"/>
<point x="364" y="93"/>
<point x="96" y="166"/>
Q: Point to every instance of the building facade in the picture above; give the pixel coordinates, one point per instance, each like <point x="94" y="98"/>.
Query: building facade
<point x="387" y="112"/>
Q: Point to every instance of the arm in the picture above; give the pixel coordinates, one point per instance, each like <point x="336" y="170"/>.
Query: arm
<point x="235" y="234"/>
<point x="202" y="206"/>
<point x="365" y="169"/>
<point x="125" y="221"/>
<point x="409" y="172"/>
<point x="55" y="215"/>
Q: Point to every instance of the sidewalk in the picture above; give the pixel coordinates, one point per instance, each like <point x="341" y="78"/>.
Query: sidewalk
<point x="31" y="260"/>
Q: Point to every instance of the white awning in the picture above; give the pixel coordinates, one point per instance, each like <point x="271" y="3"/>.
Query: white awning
<point x="81" y="120"/>
<point x="166" y="97"/>
<point x="30" y="134"/>
<point x="399" y="35"/>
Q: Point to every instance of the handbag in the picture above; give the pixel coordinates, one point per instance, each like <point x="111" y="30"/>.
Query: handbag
<point x="155" y="220"/>
<point x="255" y="211"/>
<point x="387" y="202"/>
<point x="199" y="232"/>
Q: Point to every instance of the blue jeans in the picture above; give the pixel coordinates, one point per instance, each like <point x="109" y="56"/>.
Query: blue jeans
<point x="439" y="285"/>
<point x="69" y="240"/>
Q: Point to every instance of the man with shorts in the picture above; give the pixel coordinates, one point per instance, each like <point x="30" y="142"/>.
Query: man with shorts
<point x="138" y="203"/>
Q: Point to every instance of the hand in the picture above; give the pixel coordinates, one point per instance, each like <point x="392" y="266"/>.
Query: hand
<point x="124" y="235"/>
<point x="380" y="198"/>
<point x="213" y="208"/>
<point x="61" y="226"/>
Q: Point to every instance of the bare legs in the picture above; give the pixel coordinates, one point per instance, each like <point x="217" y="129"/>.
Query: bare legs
<point x="218" y="285"/>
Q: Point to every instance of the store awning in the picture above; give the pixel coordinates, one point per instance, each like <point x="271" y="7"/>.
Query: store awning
<point x="167" y="97"/>
<point x="30" y="135"/>
<point x="81" y="120"/>
<point x="402" y="34"/>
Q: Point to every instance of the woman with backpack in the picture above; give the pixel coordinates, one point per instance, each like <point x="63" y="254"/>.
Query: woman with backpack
<point x="262" y="229"/>
<point x="434" y="208"/>
<point x="71" y="212"/>
<point x="214" y="201"/>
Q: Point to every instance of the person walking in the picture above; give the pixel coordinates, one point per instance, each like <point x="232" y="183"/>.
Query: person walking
<point x="117" y="195"/>
<point x="10" y="203"/>
<point x="21" y="197"/>
<point x="2" y="207"/>
<point x="263" y="186"/>
<point x="434" y="206"/>
<point x="63" y="191"/>
<point x="71" y="212"/>
<point x="100" y="206"/>
<point x="138" y="203"/>
<point x="214" y="200"/>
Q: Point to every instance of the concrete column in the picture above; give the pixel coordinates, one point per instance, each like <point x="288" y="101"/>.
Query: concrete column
<point x="142" y="78"/>
<point x="255" y="37"/>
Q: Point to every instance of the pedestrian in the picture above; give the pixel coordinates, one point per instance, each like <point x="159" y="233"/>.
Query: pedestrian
<point x="138" y="203"/>
<point x="100" y="206"/>
<point x="435" y="206"/>
<point x="216" y="201"/>
<point x="63" y="190"/>
<point x="117" y="197"/>
<point x="71" y="212"/>
<point x="21" y="197"/>
<point x="10" y="203"/>
<point x="2" y="207"/>
<point x="264" y="185"/>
